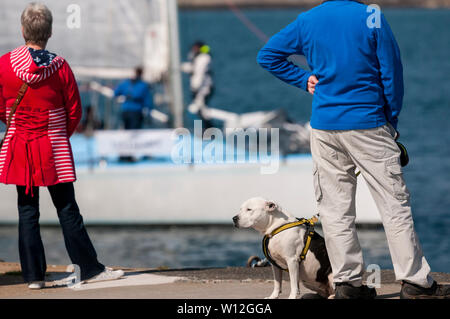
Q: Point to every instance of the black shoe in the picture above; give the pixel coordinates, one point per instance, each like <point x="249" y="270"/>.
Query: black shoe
<point x="346" y="291"/>
<point x="412" y="291"/>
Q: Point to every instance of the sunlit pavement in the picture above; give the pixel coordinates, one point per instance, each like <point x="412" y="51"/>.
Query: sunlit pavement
<point x="211" y="283"/>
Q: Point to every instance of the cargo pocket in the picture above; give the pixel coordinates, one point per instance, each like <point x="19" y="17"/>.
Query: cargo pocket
<point x="396" y="178"/>
<point x="316" y="181"/>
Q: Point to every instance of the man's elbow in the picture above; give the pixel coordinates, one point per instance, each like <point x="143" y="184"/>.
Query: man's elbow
<point x="262" y="59"/>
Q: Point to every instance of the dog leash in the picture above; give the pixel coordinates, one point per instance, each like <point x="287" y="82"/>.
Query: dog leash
<point x="309" y="223"/>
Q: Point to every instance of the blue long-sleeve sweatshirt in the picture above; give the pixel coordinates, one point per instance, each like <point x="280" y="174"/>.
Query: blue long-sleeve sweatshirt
<point x="352" y="51"/>
<point x="137" y="94"/>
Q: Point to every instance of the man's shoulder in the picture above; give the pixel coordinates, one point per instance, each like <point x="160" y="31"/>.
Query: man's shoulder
<point x="142" y="85"/>
<point x="203" y="58"/>
<point x="327" y="6"/>
<point x="345" y="11"/>
<point x="311" y="14"/>
<point x="142" y="82"/>
<point x="314" y="10"/>
<point x="121" y="86"/>
<point x="125" y="82"/>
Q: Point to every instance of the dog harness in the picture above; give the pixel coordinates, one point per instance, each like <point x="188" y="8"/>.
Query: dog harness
<point x="309" y="223"/>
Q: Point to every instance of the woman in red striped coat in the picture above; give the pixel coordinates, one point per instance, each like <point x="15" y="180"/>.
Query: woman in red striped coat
<point x="36" y="149"/>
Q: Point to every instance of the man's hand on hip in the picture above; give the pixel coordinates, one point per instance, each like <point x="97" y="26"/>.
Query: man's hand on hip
<point x="312" y="81"/>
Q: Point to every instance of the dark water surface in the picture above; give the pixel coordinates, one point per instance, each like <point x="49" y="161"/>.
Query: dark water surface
<point x="174" y="247"/>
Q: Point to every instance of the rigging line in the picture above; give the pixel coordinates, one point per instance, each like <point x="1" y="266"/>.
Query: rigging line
<point x="118" y="20"/>
<point x="299" y="59"/>
<point x="131" y="14"/>
<point x="247" y="22"/>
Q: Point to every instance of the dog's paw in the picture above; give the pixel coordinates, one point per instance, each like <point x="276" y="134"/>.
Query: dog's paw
<point x="294" y="296"/>
<point x="272" y="296"/>
<point x="331" y="296"/>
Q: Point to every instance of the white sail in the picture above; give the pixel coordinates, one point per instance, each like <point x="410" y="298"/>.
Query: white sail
<point x="105" y="39"/>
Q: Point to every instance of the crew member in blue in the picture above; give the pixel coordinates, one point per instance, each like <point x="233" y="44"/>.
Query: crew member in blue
<point x="356" y="79"/>
<point x="138" y="98"/>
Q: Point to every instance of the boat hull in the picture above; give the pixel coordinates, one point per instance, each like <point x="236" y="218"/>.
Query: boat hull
<point x="182" y="194"/>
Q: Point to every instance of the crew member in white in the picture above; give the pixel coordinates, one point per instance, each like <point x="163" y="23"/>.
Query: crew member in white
<point x="201" y="83"/>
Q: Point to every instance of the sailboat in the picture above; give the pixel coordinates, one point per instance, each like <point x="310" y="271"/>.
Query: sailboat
<point x="161" y="190"/>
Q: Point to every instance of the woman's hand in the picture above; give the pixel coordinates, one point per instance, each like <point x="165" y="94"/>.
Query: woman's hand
<point x="312" y="81"/>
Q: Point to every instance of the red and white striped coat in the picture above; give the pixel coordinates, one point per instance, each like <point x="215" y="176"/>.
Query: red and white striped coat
<point x="36" y="150"/>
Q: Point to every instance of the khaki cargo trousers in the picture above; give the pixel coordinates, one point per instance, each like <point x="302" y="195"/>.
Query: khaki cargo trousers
<point x="336" y="156"/>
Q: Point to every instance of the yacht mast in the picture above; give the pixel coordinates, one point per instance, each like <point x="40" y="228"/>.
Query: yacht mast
<point x="176" y="92"/>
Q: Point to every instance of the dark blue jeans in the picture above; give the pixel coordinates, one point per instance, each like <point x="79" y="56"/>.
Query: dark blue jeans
<point x="78" y="245"/>
<point x="132" y="120"/>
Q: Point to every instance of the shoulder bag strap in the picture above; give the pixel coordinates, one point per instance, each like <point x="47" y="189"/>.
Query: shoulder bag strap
<point x="19" y="97"/>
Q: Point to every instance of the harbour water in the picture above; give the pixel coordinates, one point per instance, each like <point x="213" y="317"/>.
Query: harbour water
<point x="242" y="86"/>
<point x="175" y="247"/>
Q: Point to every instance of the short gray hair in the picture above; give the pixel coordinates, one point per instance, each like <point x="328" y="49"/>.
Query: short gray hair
<point x="37" y="22"/>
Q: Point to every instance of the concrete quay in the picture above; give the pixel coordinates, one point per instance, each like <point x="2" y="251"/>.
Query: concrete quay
<point x="198" y="283"/>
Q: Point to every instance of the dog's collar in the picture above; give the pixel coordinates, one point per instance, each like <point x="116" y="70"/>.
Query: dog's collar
<point x="307" y="240"/>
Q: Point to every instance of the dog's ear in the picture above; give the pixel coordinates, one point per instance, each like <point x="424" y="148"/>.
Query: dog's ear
<point x="271" y="206"/>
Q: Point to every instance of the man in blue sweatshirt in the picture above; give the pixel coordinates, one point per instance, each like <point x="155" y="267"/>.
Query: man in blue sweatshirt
<point x="137" y="96"/>
<point x="356" y="79"/>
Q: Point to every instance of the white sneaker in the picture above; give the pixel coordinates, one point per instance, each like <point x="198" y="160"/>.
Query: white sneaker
<point x="107" y="274"/>
<point x="36" y="285"/>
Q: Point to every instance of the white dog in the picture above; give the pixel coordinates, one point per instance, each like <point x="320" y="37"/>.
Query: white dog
<point x="286" y="247"/>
